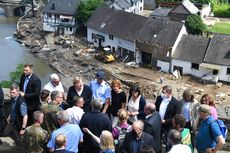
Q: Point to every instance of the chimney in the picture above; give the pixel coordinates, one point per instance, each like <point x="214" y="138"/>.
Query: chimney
<point x="53" y="6"/>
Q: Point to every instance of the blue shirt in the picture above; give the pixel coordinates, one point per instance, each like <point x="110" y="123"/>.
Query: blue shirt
<point x="23" y="109"/>
<point x="73" y="136"/>
<point x="101" y="91"/>
<point x="203" y="138"/>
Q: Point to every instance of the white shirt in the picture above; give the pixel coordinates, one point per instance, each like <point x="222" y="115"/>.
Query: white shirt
<point x="133" y="106"/>
<point x="186" y="111"/>
<point x="75" y="114"/>
<point x="49" y="86"/>
<point x="163" y="107"/>
<point x="180" y="148"/>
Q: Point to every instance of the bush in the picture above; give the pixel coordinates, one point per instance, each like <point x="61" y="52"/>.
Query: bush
<point x="195" y="25"/>
<point x="222" y="10"/>
<point x="14" y="77"/>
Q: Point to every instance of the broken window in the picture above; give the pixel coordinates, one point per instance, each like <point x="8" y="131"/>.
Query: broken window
<point x="215" y="72"/>
<point x="228" y="71"/>
<point x="195" y="66"/>
<point x="111" y="37"/>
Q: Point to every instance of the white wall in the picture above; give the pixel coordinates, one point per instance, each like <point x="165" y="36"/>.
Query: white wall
<point x="113" y="43"/>
<point x="188" y="70"/>
<point x="49" y="24"/>
<point x="206" y="10"/>
<point x="163" y="65"/>
<point x="183" y="31"/>
<point x="223" y="76"/>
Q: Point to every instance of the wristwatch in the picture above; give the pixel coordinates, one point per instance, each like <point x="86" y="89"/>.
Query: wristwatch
<point x="23" y="128"/>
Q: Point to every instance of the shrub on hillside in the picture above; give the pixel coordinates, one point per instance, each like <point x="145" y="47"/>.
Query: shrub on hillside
<point x="195" y="25"/>
<point x="222" y="10"/>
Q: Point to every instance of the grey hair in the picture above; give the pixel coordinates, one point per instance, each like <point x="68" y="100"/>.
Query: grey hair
<point x="54" y="95"/>
<point x="37" y="115"/>
<point x="174" y="136"/>
<point x="96" y="104"/>
<point x="14" y="86"/>
<point x="140" y="124"/>
<point x="63" y="116"/>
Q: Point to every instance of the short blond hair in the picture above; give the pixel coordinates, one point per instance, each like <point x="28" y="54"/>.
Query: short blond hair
<point x="77" y="80"/>
<point x="122" y="115"/>
<point x="107" y="141"/>
<point x="60" y="140"/>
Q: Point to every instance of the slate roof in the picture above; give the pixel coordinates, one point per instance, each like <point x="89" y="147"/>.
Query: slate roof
<point x="122" y="3"/>
<point x="191" y="48"/>
<point x="189" y="6"/>
<point x="116" y="22"/>
<point x="219" y="50"/>
<point x="65" y="7"/>
<point x="161" y="11"/>
<point x="160" y="31"/>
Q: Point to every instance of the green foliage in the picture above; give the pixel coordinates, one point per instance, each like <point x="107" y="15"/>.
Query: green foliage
<point x="222" y="10"/>
<point x="14" y="77"/>
<point x="86" y="8"/>
<point x="195" y="25"/>
<point x="221" y="27"/>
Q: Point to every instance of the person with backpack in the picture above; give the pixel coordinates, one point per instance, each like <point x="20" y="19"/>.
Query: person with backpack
<point x="209" y="138"/>
<point x="121" y="129"/>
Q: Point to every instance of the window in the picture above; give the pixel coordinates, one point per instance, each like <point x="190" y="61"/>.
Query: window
<point x="215" y="72"/>
<point x="92" y="36"/>
<point x="228" y="71"/>
<point x="195" y="66"/>
<point x="111" y="37"/>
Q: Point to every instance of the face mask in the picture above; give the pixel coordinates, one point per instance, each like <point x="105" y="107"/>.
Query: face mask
<point x="163" y="96"/>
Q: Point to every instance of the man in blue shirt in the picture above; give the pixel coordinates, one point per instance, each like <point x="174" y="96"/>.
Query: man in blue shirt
<point x="72" y="132"/>
<point x="204" y="141"/>
<point x="101" y="89"/>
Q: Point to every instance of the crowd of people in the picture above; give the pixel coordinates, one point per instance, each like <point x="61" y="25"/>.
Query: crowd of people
<point x="101" y="118"/>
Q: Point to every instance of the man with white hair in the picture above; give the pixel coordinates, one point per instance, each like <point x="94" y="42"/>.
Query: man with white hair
<point x="72" y="132"/>
<point x="54" y="84"/>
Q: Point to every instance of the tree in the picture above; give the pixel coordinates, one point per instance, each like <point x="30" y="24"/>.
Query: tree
<point x="86" y="8"/>
<point x="14" y="77"/>
<point x="195" y="25"/>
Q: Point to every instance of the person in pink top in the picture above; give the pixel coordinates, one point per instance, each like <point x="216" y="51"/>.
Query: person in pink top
<point x="207" y="99"/>
<point x="122" y="123"/>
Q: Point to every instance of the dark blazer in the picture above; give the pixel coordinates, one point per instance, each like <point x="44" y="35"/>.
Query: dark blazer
<point x="86" y="94"/>
<point x="142" y="103"/>
<point x="32" y="91"/>
<point x="96" y="122"/>
<point x="173" y="108"/>
<point x="152" y="126"/>
<point x="63" y="151"/>
<point x="128" y="145"/>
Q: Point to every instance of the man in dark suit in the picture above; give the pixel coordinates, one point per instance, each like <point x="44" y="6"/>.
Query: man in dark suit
<point x="152" y="125"/>
<point x="136" y="139"/>
<point x="30" y="87"/>
<point x="96" y="122"/>
<point x="167" y="106"/>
